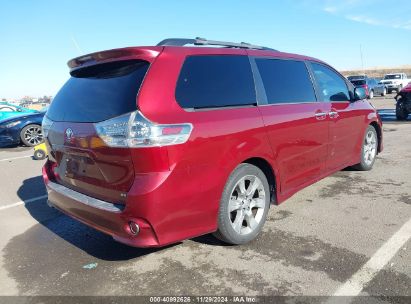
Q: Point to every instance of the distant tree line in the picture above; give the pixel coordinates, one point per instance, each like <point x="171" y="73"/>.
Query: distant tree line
<point x="377" y="73"/>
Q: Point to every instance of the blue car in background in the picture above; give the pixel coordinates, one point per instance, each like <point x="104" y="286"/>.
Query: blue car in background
<point x="8" y="110"/>
<point x="25" y="129"/>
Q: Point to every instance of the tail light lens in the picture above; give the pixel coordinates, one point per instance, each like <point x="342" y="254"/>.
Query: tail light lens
<point x="45" y="126"/>
<point x="134" y="130"/>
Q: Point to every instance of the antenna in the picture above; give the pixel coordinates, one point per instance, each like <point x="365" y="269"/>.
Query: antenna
<point x="362" y="60"/>
<point x="76" y="45"/>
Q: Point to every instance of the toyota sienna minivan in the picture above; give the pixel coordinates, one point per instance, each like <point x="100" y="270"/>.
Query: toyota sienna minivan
<point x="157" y="144"/>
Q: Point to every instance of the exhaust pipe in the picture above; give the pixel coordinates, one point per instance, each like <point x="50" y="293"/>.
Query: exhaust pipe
<point x="134" y="227"/>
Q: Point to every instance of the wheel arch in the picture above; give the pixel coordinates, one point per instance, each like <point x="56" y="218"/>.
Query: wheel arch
<point x="269" y="173"/>
<point x="377" y="128"/>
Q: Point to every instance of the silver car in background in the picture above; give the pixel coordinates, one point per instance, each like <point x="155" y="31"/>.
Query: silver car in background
<point x="380" y="89"/>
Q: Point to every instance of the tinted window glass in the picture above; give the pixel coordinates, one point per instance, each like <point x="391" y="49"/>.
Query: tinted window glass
<point x="332" y="86"/>
<point x="215" y="81"/>
<point x="358" y="82"/>
<point x="358" y="77"/>
<point x="392" y="76"/>
<point x="99" y="92"/>
<point x="285" y="81"/>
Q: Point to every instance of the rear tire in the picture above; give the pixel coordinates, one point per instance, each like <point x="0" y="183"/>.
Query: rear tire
<point x="400" y="111"/>
<point x="31" y="135"/>
<point x="384" y="92"/>
<point x="368" y="150"/>
<point x="244" y="205"/>
<point x="371" y="95"/>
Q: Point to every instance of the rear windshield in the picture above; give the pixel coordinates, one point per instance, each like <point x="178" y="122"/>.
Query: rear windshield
<point x="355" y="77"/>
<point x="358" y="82"/>
<point x="99" y="92"/>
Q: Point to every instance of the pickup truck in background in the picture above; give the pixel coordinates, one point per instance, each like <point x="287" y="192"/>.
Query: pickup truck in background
<point x="395" y="82"/>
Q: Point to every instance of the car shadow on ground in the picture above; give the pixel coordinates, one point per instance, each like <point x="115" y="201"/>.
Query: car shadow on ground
<point x="71" y="231"/>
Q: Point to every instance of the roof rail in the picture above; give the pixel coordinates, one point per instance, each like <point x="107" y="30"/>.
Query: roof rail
<point x="203" y="41"/>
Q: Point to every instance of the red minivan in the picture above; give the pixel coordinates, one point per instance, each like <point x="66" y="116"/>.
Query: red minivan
<point x="153" y="145"/>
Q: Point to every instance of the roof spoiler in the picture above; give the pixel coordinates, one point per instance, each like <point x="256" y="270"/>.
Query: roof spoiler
<point x="111" y="55"/>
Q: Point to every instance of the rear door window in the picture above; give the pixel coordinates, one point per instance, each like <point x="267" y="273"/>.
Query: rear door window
<point x="99" y="92"/>
<point x="332" y="86"/>
<point x="285" y="81"/>
<point x="215" y="81"/>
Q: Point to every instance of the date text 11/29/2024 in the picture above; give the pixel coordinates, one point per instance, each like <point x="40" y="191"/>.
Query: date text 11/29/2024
<point x="204" y="299"/>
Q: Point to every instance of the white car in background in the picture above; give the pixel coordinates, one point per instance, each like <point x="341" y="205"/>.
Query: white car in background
<point x="395" y="81"/>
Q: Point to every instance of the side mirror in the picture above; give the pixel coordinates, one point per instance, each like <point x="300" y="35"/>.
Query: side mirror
<point x="359" y="94"/>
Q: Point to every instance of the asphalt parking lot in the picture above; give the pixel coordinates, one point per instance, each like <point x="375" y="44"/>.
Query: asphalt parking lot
<point x="315" y="243"/>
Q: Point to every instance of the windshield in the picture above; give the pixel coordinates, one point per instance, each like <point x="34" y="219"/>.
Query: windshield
<point x="396" y="76"/>
<point x="13" y="108"/>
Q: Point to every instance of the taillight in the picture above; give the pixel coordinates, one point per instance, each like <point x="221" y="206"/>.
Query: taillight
<point x="134" y="130"/>
<point x="45" y="126"/>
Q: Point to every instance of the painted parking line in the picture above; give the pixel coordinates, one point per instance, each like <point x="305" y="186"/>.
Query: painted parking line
<point x="23" y="202"/>
<point x="13" y="158"/>
<point x="353" y="286"/>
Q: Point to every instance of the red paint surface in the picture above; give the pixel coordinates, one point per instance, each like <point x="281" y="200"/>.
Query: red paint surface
<point x="173" y="192"/>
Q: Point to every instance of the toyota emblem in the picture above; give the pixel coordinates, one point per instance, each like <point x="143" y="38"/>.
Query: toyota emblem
<point x="69" y="134"/>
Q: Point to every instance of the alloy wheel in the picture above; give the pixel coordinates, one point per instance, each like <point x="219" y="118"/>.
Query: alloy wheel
<point x="370" y="147"/>
<point x="33" y="135"/>
<point x="247" y="204"/>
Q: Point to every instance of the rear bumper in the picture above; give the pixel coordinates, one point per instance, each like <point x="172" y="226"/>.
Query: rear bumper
<point x="108" y="218"/>
<point x="379" y="90"/>
<point x="169" y="205"/>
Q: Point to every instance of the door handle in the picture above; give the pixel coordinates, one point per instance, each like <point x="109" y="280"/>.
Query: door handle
<point x="333" y="114"/>
<point x="320" y="115"/>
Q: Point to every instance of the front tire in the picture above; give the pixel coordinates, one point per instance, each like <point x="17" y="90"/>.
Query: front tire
<point x="244" y="205"/>
<point x="368" y="150"/>
<point x="384" y="92"/>
<point x="31" y="135"/>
